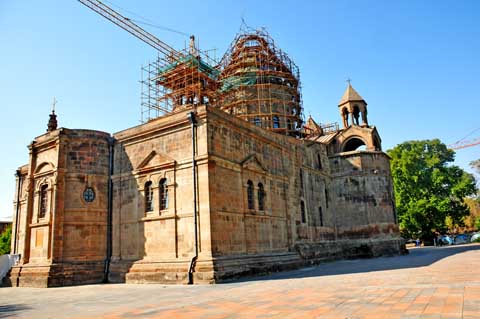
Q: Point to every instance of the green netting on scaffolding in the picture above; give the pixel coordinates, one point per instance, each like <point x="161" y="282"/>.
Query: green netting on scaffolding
<point x="248" y="78"/>
<point x="235" y="81"/>
<point x="191" y="61"/>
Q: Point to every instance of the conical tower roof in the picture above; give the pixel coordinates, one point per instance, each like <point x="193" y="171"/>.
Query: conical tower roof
<point x="350" y="95"/>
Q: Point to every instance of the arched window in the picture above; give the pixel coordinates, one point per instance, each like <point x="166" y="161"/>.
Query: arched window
<point x="289" y="125"/>
<point x="163" y="194"/>
<point x="345" y="116"/>
<point x="257" y="121"/>
<point x="302" y="211"/>
<point x="354" y="144"/>
<point x="276" y="122"/>
<point x="320" y="212"/>
<point x="319" y="161"/>
<point x="301" y="179"/>
<point x="356" y="115"/>
<point x="251" y="43"/>
<point x="42" y="212"/>
<point x="261" y="197"/>
<point x="326" y="197"/>
<point x="251" y="204"/>
<point x="148" y="197"/>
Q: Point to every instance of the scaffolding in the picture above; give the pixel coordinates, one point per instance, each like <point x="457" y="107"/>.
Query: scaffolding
<point x="254" y="80"/>
<point x="174" y="84"/>
<point x="261" y="84"/>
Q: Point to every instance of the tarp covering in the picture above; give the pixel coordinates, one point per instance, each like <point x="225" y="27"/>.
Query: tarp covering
<point x="249" y="78"/>
<point x="190" y="60"/>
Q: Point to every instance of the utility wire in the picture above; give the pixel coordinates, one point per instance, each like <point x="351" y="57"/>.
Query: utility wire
<point x="469" y="134"/>
<point x="161" y="27"/>
<point x="146" y="21"/>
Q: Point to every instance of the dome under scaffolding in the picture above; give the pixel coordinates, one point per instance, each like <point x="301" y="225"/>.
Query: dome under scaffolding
<point x="255" y="81"/>
<point x="260" y="83"/>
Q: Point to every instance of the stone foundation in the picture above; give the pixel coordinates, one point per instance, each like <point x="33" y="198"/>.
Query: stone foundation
<point x="207" y="271"/>
<point x="350" y="249"/>
<point x="234" y="267"/>
<point x="172" y="272"/>
<point x="57" y="275"/>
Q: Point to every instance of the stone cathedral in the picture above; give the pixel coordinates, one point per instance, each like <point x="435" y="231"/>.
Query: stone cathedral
<point x="231" y="181"/>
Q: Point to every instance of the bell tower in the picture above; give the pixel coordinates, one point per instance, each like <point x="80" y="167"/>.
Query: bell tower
<point x="353" y="108"/>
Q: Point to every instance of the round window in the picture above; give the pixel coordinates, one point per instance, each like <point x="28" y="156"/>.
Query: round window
<point x="89" y="194"/>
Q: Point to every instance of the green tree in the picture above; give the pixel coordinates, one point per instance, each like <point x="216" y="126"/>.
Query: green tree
<point x="427" y="188"/>
<point x="472" y="221"/>
<point x="476" y="165"/>
<point x="5" y="241"/>
<point x="477" y="223"/>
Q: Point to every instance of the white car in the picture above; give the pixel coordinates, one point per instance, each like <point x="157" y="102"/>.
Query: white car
<point x="475" y="237"/>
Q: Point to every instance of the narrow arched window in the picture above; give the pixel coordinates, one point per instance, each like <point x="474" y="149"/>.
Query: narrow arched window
<point x="42" y="212"/>
<point x="301" y="179"/>
<point x="257" y="121"/>
<point x="148" y="196"/>
<point x="319" y="161"/>
<point x="251" y="204"/>
<point x="326" y="197"/>
<point x="289" y="125"/>
<point x="276" y="122"/>
<point x="345" y="117"/>
<point x="356" y="115"/>
<point x="261" y="197"/>
<point x="302" y="211"/>
<point x="320" y="212"/>
<point x="163" y="194"/>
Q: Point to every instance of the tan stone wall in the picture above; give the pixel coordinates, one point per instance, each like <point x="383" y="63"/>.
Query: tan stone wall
<point x="72" y="230"/>
<point x="347" y="199"/>
<point x="239" y="152"/>
<point x="19" y="222"/>
<point x="159" y="239"/>
<point x="363" y="194"/>
<point x="353" y="192"/>
<point x="84" y="158"/>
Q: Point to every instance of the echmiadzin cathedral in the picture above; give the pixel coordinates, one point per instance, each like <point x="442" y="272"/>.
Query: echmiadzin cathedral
<point x="227" y="181"/>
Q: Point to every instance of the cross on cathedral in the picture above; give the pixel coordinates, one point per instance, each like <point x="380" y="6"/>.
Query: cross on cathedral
<point x="349" y="81"/>
<point x="54" y="103"/>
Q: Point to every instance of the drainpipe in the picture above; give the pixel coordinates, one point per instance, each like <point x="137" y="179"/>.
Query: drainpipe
<point x="193" y="122"/>
<point x="18" y="174"/>
<point x="111" y="142"/>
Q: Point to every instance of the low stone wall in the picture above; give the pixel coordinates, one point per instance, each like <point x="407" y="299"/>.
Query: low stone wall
<point x="234" y="267"/>
<point x="349" y="249"/>
<point x="57" y="275"/>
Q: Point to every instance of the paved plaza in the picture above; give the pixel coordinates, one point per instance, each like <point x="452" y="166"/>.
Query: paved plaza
<point x="442" y="282"/>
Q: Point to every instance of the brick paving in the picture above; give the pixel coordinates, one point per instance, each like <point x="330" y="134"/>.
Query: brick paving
<point x="429" y="283"/>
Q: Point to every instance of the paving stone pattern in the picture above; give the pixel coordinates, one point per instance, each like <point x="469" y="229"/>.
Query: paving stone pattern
<point x="428" y="283"/>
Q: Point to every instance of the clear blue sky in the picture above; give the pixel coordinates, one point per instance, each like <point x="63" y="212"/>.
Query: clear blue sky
<point x="416" y="63"/>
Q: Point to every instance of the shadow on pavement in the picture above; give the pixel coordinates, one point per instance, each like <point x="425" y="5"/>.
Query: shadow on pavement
<point x="418" y="257"/>
<point x="8" y="311"/>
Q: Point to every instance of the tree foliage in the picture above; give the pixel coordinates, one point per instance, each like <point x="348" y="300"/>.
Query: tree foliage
<point x="476" y="165"/>
<point x="427" y="188"/>
<point x="472" y="221"/>
<point x="5" y="240"/>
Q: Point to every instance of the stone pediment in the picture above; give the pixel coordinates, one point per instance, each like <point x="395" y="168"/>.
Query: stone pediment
<point x="44" y="168"/>
<point x="253" y="163"/>
<point x="154" y="161"/>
